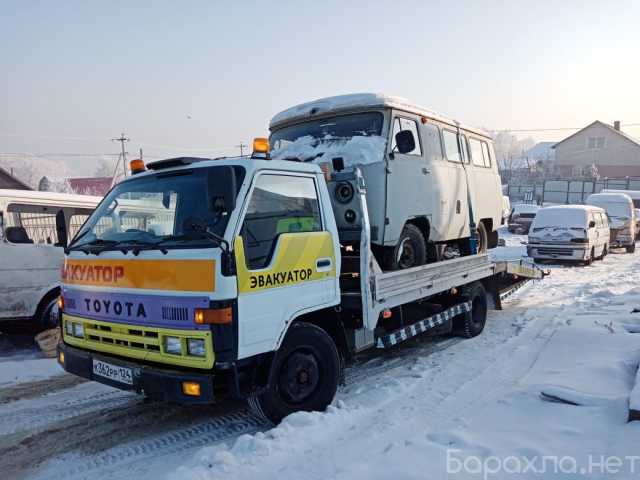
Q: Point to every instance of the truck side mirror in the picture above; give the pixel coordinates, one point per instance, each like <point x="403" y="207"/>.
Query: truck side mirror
<point x="592" y="224"/>
<point x="61" y="229"/>
<point x="405" y="142"/>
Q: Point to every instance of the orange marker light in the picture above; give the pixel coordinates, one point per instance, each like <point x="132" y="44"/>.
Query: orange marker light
<point x="61" y="358"/>
<point x="136" y="166"/>
<point x="216" y="316"/>
<point x="191" y="388"/>
<point x="260" y="145"/>
<point x="61" y="302"/>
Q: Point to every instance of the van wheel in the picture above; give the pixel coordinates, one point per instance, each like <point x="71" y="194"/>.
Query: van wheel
<point x="631" y="248"/>
<point x="410" y="251"/>
<point x="604" y="253"/>
<point x="592" y="255"/>
<point x="471" y="324"/>
<point x="483" y="238"/>
<point x="47" y="317"/>
<point x="304" y="374"/>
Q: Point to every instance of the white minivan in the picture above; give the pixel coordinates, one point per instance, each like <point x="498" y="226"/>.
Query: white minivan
<point x="569" y="232"/>
<point x="622" y="217"/>
<point x="34" y="228"/>
<point x="635" y="197"/>
<point x="427" y="176"/>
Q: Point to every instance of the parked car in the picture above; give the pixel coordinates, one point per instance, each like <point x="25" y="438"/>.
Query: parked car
<point x="569" y="232"/>
<point x="34" y="228"/>
<point x="622" y="217"/>
<point x="521" y="216"/>
<point x="635" y="198"/>
<point x="421" y="169"/>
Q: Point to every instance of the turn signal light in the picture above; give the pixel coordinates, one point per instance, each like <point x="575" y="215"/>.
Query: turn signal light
<point x="218" y="316"/>
<point x="191" y="388"/>
<point x="61" y="358"/>
<point x="136" y="166"/>
<point x="60" y="302"/>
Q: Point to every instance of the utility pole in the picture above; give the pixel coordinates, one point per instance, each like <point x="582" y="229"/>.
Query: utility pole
<point x="241" y="146"/>
<point x="122" y="141"/>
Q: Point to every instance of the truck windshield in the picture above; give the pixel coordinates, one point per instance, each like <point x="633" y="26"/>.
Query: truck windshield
<point x="160" y="211"/>
<point x="365" y="124"/>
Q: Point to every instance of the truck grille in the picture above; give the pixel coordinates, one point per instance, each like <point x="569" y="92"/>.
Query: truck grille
<point x="133" y="341"/>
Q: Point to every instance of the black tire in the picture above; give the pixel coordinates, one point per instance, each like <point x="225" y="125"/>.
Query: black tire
<point x="592" y="255"/>
<point x="471" y="324"/>
<point x="483" y="238"/>
<point x="631" y="248"/>
<point x="304" y="374"/>
<point x="411" y="250"/>
<point x="605" y="252"/>
<point x="47" y="315"/>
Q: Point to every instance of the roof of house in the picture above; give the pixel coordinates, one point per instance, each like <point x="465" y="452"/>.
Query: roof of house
<point x="18" y="183"/>
<point x="602" y="124"/>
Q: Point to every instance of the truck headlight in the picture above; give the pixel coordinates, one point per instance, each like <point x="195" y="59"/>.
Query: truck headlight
<point x="68" y="327"/>
<point x="173" y="345"/>
<point x="78" y="330"/>
<point x="195" y="347"/>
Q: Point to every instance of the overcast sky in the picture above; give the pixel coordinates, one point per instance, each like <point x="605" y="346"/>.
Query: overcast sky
<point x="198" y="77"/>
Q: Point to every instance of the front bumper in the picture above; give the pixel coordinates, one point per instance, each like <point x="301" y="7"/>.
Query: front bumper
<point x="155" y="382"/>
<point x="558" y="251"/>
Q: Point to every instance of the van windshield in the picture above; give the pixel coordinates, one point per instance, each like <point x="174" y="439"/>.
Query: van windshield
<point x="616" y="209"/>
<point x="365" y="124"/>
<point x="160" y="211"/>
<point x="560" y="218"/>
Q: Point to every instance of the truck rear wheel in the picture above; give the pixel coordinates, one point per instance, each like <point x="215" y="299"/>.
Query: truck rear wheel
<point x="483" y="238"/>
<point x="631" y="248"/>
<point x="471" y="324"/>
<point x="304" y="374"/>
<point x="411" y="250"/>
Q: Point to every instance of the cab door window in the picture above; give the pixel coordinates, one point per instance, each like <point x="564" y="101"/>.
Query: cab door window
<point x="279" y="204"/>
<point x="400" y="124"/>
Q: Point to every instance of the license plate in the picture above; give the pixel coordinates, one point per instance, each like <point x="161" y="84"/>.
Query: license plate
<point x="113" y="372"/>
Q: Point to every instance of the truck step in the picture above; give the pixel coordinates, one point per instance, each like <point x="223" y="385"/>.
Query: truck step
<point x="426" y="324"/>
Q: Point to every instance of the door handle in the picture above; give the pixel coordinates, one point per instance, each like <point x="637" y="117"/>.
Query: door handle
<point x="426" y="171"/>
<point x="323" y="264"/>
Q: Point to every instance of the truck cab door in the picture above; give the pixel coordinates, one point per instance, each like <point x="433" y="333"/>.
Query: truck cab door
<point x="285" y="259"/>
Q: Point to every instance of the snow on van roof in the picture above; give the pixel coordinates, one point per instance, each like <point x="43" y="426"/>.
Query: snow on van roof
<point x="572" y="207"/>
<point x="48" y="196"/>
<point x="634" y="194"/>
<point x="360" y="100"/>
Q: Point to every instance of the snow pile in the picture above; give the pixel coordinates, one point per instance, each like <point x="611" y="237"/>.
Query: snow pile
<point x="355" y="151"/>
<point x="13" y="372"/>
<point x="634" y="398"/>
<point x="557" y="390"/>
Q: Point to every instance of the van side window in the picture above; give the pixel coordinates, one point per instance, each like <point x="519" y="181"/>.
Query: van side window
<point x="279" y="204"/>
<point x="451" y="145"/>
<point x="487" y="154"/>
<point x="432" y="142"/>
<point x="31" y="224"/>
<point x="465" y="148"/>
<point x="400" y="124"/>
<point x="477" y="155"/>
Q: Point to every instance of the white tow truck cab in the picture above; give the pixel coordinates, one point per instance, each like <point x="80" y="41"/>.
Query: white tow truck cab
<point x="237" y="282"/>
<point x="430" y="179"/>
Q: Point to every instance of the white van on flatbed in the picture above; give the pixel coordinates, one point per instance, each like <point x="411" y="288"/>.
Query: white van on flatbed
<point x="430" y="179"/>
<point x="34" y="227"/>
<point x="569" y="232"/>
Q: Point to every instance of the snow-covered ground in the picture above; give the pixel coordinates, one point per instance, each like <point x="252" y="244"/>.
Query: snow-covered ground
<point x="542" y="393"/>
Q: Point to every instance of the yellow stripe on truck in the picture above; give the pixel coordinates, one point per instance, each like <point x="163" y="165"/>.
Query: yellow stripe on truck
<point x="177" y="275"/>
<point x="294" y="262"/>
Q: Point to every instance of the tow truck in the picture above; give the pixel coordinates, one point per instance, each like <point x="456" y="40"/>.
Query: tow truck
<point x="197" y="279"/>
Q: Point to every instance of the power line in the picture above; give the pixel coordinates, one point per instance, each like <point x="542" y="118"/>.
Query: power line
<point x="557" y="129"/>
<point x="122" y="141"/>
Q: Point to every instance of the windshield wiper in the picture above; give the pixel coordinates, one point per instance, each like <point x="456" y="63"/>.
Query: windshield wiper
<point x="98" y="242"/>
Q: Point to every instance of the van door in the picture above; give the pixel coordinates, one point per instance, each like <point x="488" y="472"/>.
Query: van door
<point x="456" y="210"/>
<point x="409" y="183"/>
<point x="285" y="259"/>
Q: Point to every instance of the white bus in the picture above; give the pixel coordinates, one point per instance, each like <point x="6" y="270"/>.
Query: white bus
<point x="34" y="229"/>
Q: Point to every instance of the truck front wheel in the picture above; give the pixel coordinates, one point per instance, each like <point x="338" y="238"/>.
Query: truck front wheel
<point x="304" y="374"/>
<point x="411" y="250"/>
